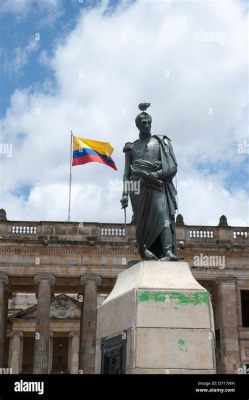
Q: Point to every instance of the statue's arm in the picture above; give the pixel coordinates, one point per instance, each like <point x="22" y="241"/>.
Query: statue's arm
<point x="167" y="173"/>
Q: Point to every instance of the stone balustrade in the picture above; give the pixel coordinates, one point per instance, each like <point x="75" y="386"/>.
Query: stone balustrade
<point x="89" y="231"/>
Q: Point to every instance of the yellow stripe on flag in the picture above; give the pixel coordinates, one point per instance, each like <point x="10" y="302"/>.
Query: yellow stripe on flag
<point x="101" y="147"/>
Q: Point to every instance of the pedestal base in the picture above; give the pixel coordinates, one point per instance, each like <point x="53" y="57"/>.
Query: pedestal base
<point x="157" y="319"/>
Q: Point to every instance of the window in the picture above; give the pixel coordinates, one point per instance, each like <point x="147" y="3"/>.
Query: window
<point x="28" y="354"/>
<point x="60" y="355"/>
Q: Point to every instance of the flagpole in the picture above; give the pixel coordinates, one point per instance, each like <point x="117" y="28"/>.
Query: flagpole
<point x="70" y="178"/>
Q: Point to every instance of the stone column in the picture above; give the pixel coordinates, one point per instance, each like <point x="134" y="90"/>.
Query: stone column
<point x="229" y="338"/>
<point x="88" y="323"/>
<point x="3" y="314"/>
<point x="74" y="345"/>
<point x="16" y="352"/>
<point x="50" y="356"/>
<point x="44" y="280"/>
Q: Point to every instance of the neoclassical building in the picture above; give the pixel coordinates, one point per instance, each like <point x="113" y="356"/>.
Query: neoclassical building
<point x="53" y="275"/>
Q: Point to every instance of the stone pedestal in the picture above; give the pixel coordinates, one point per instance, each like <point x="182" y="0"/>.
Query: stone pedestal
<point x="157" y="319"/>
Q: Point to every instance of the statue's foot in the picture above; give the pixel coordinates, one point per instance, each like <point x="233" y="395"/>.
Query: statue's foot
<point x="147" y="255"/>
<point x="170" y="256"/>
<point x="164" y="259"/>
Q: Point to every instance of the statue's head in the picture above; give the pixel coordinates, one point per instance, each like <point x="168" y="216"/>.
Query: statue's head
<point x="143" y="120"/>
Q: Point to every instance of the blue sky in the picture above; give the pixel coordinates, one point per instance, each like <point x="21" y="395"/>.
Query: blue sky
<point x="85" y="65"/>
<point x="26" y="28"/>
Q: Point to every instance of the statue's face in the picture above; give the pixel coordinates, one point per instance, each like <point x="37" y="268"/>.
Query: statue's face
<point x="145" y="125"/>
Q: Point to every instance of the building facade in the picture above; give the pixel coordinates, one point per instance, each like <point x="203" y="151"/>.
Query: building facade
<point x="54" y="274"/>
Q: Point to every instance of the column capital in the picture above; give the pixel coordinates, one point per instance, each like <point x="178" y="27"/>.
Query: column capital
<point x="4" y="277"/>
<point x="74" y="333"/>
<point x="90" y="277"/>
<point x="228" y="281"/>
<point x="16" y="333"/>
<point x="44" y="276"/>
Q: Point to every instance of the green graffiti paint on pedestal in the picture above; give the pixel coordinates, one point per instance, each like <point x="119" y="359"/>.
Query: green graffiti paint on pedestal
<point x="182" y="345"/>
<point x="178" y="298"/>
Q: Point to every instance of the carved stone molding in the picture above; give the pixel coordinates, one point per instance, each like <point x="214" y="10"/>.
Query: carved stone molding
<point x="36" y="251"/>
<point x="62" y="308"/>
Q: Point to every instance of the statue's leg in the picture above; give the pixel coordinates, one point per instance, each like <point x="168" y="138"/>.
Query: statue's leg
<point x="166" y="237"/>
<point x="167" y="244"/>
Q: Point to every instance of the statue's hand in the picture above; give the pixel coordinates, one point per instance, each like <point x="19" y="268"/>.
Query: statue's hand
<point x="124" y="201"/>
<point x="152" y="176"/>
<point x="153" y="180"/>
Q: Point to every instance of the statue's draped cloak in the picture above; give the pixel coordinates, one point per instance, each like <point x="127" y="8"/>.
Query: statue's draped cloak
<point x="153" y="207"/>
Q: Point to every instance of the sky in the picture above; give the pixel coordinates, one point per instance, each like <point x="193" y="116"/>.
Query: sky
<point x="85" y="65"/>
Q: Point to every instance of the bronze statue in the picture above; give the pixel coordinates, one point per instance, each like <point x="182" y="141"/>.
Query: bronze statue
<point x="150" y="164"/>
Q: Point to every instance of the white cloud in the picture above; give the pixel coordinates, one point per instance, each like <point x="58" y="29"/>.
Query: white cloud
<point x="203" y="201"/>
<point x="104" y="68"/>
<point x="14" y="64"/>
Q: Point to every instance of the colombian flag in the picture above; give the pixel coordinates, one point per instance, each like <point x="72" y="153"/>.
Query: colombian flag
<point x="85" y="150"/>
